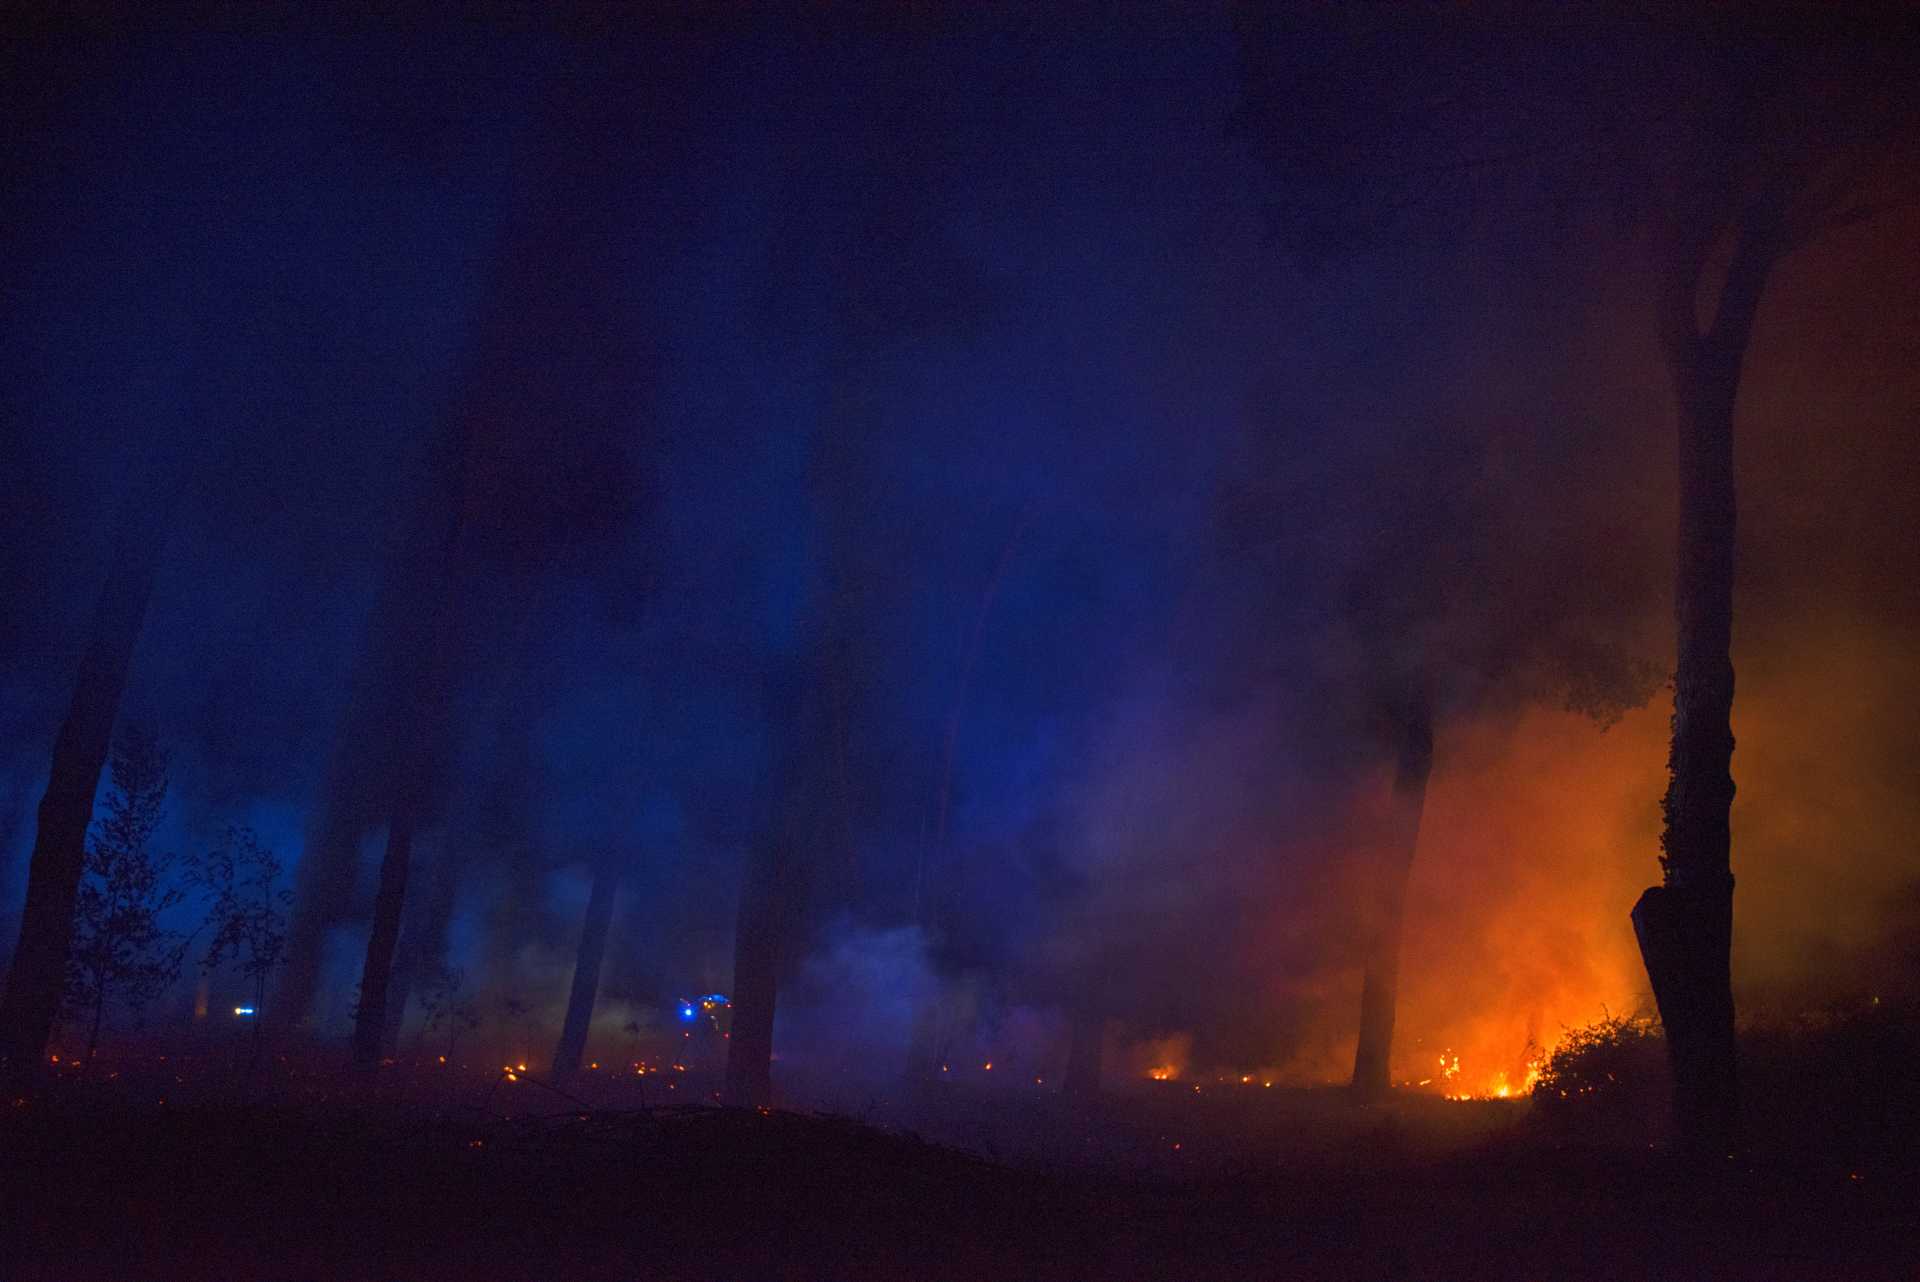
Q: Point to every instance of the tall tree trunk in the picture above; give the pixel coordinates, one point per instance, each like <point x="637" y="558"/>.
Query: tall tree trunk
<point x="420" y="697"/>
<point x="794" y="805"/>
<point x="423" y="939"/>
<point x="586" y="970"/>
<point x="400" y="985"/>
<point x="937" y="888"/>
<point x="1685" y="926"/>
<point x="1372" y="1058"/>
<point x="382" y="741"/>
<point x="323" y="898"/>
<point x="764" y="940"/>
<point x="370" y="1020"/>
<point x="758" y="946"/>
<point x="37" y="978"/>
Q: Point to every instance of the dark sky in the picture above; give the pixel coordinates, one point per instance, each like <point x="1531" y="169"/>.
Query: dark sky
<point x="742" y="323"/>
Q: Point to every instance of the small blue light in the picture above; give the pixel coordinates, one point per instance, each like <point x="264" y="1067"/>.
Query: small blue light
<point x="687" y="1012"/>
<point x="243" y="1010"/>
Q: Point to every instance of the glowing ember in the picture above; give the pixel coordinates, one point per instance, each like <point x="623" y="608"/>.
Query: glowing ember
<point x="1162" y="1073"/>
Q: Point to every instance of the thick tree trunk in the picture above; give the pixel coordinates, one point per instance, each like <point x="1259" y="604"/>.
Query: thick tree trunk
<point x="36" y="981"/>
<point x="1372" y="1058"/>
<point x="420" y="698"/>
<point x="399" y="986"/>
<point x="384" y="741"/>
<point x="423" y="938"/>
<point x="937" y="880"/>
<point x="323" y="899"/>
<point x="1685" y="927"/>
<point x="797" y="802"/>
<point x="586" y="970"/>
<point x="370" y="1020"/>
<point x="757" y="949"/>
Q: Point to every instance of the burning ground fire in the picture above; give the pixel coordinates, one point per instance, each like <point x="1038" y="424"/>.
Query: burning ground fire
<point x="1516" y="929"/>
<point x="1536" y="839"/>
<point x="1450" y="1081"/>
<point x="1500" y="1085"/>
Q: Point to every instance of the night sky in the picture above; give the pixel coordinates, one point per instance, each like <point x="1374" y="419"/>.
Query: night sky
<point x="963" y="340"/>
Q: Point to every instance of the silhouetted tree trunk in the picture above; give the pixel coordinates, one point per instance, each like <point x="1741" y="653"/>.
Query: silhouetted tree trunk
<point x="323" y="896"/>
<point x="423" y="938"/>
<point x="36" y="981"/>
<point x="766" y="935"/>
<point x="586" y="969"/>
<point x="420" y="695"/>
<point x="531" y="325"/>
<point x="419" y="720"/>
<point x="369" y="762"/>
<point x="808" y="701"/>
<point x="1372" y="1059"/>
<point x="370" y="1018"/>
<point x="777" y="884"/>
<point x="757" y="949"/>
<point x="1685" y="926"/>
<point x="936" y="889"/>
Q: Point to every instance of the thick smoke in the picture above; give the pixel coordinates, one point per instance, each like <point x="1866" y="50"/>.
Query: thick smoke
<point x="1132" y="526"/>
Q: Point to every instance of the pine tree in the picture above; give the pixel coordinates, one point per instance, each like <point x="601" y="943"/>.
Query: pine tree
<point x="247" y="911"/>
<point x="121" y="953"/>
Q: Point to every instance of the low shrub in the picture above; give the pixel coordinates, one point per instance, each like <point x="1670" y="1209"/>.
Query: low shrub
<point x="1607" y="1081"/>
<point x="1841" y="1084"/>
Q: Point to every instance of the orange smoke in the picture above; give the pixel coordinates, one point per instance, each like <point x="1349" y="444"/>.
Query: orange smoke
<point x="1539" y="834"/>
<point x="1537" y="837"/>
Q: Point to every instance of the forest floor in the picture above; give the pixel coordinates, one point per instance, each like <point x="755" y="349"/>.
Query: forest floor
<point x="497" y="1179"/>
